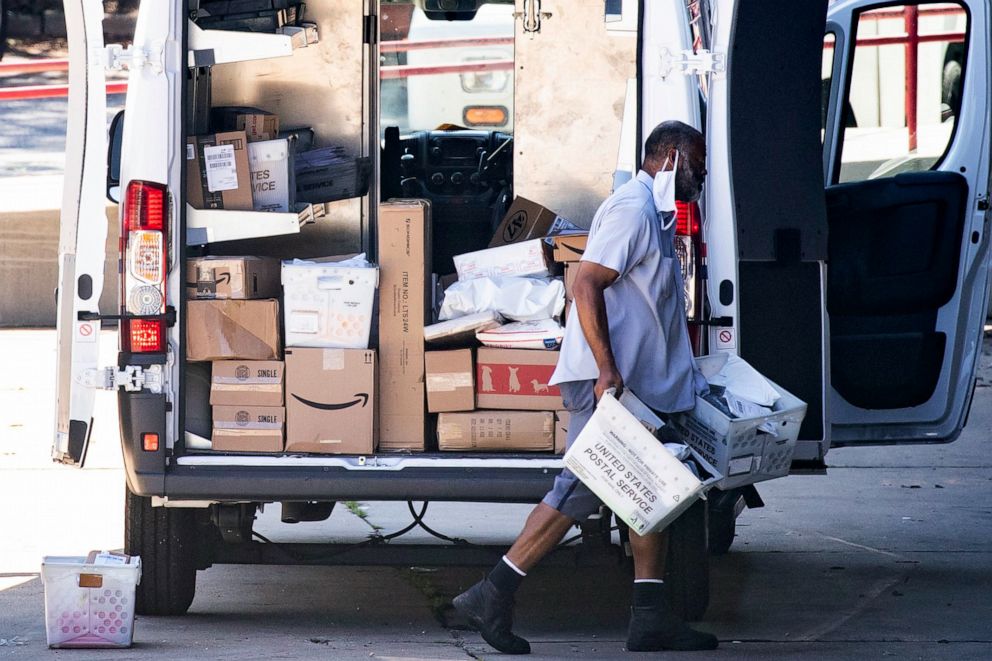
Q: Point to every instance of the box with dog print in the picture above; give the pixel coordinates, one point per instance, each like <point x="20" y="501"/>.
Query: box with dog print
<point x="516" y="379"/>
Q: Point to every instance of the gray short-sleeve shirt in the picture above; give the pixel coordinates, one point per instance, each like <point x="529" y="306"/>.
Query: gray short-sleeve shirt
<point x="645" y="306"/>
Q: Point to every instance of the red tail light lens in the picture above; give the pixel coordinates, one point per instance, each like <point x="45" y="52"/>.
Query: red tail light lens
<point x="687" y="219"/>
<point x="144" y="336"/>
<point x="144" y="266"/>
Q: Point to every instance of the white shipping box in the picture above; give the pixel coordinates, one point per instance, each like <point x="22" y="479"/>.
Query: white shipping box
<point x="631" y="471"/>
<point x="527" y="258"/>
<point x="272" y="184"/>
<point x="328" y="305"/>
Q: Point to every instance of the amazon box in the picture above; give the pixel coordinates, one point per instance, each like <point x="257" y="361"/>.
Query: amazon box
<point x="330" y="401"/>
<point x="405" y="290"/>
<point x="247" y="383"/>
<point x="562" y="419"/>
<point x="217" y="172"/>
<point x="232" y="277"/>
<point x="496" y="431"/>
<point x="524" y="221"/>
<point x="450" y="384"/>
<point x="516" y="379"/>
<point x="570" y="247"/>
<point x="233" y="330"/>
<point x="248" y="428"/>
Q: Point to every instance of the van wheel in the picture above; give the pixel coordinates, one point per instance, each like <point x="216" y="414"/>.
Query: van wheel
<point x="163" y="537"/>
<point x="687" y="576"/>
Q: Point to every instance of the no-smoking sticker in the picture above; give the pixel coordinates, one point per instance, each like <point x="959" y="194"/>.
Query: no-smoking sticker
<point x="86" y="331"/>
<point x="726" y="338"/>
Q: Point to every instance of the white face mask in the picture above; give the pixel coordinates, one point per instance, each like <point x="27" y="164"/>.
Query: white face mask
<point x="664" y="192"/>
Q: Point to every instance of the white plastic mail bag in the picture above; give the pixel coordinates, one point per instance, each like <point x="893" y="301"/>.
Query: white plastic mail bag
<point x="519" y="299"/>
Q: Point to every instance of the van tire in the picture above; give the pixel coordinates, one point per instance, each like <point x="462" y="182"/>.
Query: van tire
<point x="687" y="574"/>
<point x="163" y="537"/>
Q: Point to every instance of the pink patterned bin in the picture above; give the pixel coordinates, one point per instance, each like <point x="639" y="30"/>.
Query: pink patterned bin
<point x="89" y="605"/>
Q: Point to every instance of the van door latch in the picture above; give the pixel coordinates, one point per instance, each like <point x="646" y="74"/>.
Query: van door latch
<point x="132" y="378"/>
<point x="116" y="57"/>
<point x="532" y="16"/>
<point x="689" y="62"/>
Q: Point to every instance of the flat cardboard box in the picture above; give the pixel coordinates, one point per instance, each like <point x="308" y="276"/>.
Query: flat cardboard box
<point x="570" y="247"/>
<point x="571" y="270"/>
<point x="248" y="428"/>
<point x="247" y="383"/>
<point x="450" y="381"/>
<point x="331" y="401"/>
<point x="404" y="311"/>
<point x="217" y="172"/>
<point x="562" y="419"/>
<point x="496" y="431"/>
<point x="210" y="278"/>
<point x="516" y="379"/>
<point x="524" y="221"/>
<point x="527" y="258"/>
<point x="233" y="330"/>
<point x="272" y="185"/>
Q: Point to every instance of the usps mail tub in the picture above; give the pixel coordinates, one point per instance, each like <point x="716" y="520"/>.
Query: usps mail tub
<point x="89" y="605"/>
<point x="328" y="304"/>
<point x="631" y="471"/>
<point x="748" y="449"/>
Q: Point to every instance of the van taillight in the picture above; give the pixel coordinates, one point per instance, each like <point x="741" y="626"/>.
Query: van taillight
<point x="692" y="252"/>
<point x="144" y="265"/>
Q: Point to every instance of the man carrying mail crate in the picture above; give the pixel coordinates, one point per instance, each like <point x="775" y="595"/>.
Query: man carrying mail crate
<point x="627" y="327"/>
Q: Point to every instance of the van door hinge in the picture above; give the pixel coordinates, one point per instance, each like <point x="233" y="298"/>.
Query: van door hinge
<point x="117" y="58"/>
<point x="532" y="16"/>
<point x="132" y="378"/>
<point x="689" y="62"/>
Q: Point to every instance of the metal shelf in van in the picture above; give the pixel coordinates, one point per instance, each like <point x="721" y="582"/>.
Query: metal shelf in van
<point x="205" y="226"/>
<point x="210" y="47"/>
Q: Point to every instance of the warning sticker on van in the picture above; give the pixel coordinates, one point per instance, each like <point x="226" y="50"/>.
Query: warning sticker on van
<point x="222" y="173"/>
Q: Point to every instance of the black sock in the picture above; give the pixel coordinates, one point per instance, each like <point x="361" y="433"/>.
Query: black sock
<point x="505" y="578"/>
<point x="648" y="594"/>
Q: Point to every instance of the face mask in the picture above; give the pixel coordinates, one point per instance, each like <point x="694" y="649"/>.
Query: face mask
<point x="664" y="193"/>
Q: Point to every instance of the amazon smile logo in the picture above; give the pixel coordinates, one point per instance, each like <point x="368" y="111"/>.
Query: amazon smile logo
<point x="361" y="398"/>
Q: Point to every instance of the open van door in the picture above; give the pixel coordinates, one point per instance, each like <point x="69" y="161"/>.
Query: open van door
<point x="907" y="174"/>
<point x="83" y="237"/>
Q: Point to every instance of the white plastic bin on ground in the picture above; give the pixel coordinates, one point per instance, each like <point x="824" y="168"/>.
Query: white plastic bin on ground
<point x="737" y="447"/>
<point x="89" y="605"/>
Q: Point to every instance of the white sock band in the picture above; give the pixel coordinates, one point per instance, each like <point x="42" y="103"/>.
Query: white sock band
<point x="649" y="580"/>
<point x="513" y="566"/>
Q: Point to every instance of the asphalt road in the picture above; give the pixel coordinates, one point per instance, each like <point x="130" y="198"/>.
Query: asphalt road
<point x="885" y="557"/>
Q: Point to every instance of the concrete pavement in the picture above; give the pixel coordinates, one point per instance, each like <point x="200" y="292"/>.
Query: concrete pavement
<point x="887" y="556"/>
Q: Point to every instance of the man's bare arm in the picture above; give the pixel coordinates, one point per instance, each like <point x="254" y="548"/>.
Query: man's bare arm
<point x="591" y="282"/>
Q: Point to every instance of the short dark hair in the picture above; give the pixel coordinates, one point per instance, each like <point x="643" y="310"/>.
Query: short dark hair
<point x="669" y="135"/>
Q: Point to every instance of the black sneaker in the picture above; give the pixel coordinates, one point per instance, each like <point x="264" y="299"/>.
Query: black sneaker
<point x="491" y="613"/>
<point x="656" y="628"/>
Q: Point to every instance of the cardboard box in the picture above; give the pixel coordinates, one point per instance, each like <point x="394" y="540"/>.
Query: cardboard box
<point x="331" y="401"/>
<point x="450" y="381"/>
<point x="248" y="428"/>
<point x="524" y="221"/>
<point x="217" y="172"/>
<point x="571" y="270"/>
<point x="257" y="124"/>
<point x="328" y="304"/>
<point x="562" y="419"/>
<point x="516" y="379"/>
<point x="516" y="259"/>
<point x="404" y="311"/>
<point x="247" y="383"/>
<point x="233" y="330"/>
<point x="499" y="431"/>
<point x="232" y="278"/>
<point x="461" y="332"/>
<point x="570" y="247"/>
<point x="631" y="471"/>
<point x="272" y="186"/>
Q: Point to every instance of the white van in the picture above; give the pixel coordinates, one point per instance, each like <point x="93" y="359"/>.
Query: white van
<point x="841" y="248"/>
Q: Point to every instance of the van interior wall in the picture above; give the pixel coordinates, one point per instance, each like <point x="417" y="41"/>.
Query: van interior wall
<point x="570" y="87"/>
<point x="322" y="87"/>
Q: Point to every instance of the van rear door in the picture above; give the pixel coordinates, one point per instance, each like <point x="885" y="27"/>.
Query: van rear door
<point x="82" y="242"/>
<point x="907" y="173"/>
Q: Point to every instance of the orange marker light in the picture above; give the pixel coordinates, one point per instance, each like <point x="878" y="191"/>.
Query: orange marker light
<point x="486" y="116"/>
<point x="149" y="442"/>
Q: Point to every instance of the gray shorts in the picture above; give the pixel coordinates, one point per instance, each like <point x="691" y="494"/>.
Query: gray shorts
<point x="569" y="496"/>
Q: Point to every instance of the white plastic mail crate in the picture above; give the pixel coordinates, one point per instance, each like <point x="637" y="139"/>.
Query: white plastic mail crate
<point x="328" y="305"/>
<point x="736" y="447"/>
<point x="101" y="615"/>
